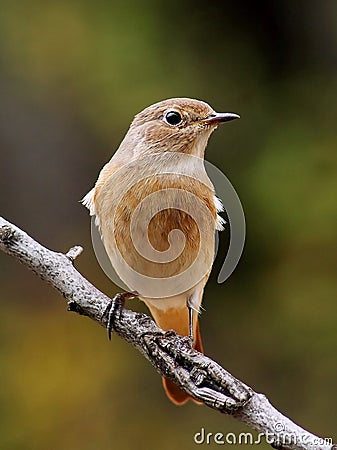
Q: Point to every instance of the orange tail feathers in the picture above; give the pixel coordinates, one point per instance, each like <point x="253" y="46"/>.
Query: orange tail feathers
<point x="174" y="393"/>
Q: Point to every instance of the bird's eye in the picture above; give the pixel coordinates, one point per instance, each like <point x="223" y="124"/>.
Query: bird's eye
<point x="173" y="118"/>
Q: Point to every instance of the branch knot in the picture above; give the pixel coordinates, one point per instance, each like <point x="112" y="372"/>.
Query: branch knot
<point x="7" y="234"/>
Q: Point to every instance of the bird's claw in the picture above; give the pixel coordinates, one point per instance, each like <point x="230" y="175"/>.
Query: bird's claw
<point x="114" y="308"/>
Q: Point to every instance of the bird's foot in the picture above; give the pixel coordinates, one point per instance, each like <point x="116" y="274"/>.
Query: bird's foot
<point x="115" y="307"/>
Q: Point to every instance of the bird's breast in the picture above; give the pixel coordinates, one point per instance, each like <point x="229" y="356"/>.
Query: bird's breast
<point x="159" y="227"/>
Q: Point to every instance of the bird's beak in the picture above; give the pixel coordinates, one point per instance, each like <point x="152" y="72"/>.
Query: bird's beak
<point x="218" y="118"/>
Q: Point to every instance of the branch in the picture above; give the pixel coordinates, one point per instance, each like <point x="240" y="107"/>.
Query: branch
<point x="169" y="353"/>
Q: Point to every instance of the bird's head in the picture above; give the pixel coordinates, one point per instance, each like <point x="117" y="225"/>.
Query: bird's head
<point x="174" y="125"/>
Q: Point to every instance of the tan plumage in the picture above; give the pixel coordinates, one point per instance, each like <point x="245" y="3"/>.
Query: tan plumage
<point x="154" y="166"/>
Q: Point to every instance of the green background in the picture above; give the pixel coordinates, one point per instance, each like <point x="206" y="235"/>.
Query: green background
<point x="72" y="76"/>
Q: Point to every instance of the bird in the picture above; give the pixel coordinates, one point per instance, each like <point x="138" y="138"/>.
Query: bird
<point x="158" y="213"/>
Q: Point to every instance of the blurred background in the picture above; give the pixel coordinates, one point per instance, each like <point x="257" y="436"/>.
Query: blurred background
<point x="73" y="74"/>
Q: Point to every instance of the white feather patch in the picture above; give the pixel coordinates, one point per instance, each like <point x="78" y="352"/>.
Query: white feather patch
<point x="220" y="221"/>
<point x="88" y="201"/>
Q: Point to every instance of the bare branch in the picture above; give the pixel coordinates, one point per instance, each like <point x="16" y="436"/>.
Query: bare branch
<point x="74" y="252"/>
<point x="169" y="353"/>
